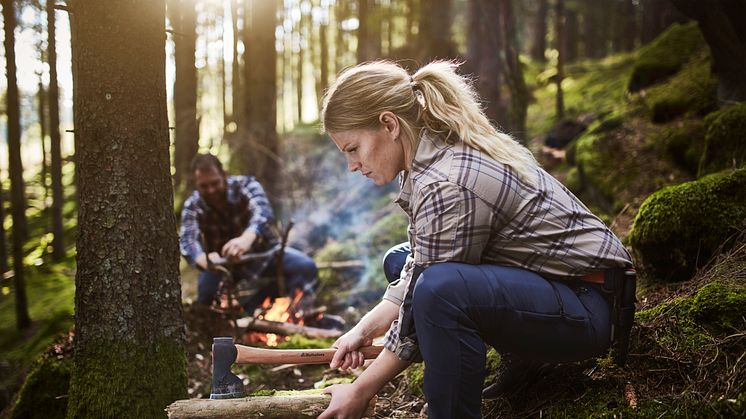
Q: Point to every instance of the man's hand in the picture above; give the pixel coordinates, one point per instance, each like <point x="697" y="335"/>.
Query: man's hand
<point x="238" y="246"/>
<point x="201" y="260"/>
<point x="346" y="402"/>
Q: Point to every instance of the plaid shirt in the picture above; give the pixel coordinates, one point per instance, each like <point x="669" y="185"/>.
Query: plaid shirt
<point x="247" y="208"/>
<point x="463" y="206"/>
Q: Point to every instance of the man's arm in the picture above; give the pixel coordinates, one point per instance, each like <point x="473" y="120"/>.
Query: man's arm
<point x="189" y="236"/>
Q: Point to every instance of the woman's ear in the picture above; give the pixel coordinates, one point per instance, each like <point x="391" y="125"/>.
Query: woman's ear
<point x="390" y="123"/>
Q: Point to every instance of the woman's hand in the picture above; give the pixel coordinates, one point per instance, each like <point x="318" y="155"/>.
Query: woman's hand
<point x="347" y="355"/>
<point x="346" y="402"/>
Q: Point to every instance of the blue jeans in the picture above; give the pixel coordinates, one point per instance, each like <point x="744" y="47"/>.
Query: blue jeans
<point x="300" y="274"/>
<point x="459" y="307"/>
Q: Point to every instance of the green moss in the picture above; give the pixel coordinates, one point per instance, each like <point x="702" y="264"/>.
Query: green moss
<point x="725" y="146"/>
<point x="121" y="379"/>
<point x="415" y="376"/>
<point x="665" y="55"/>
<point x="46" y="386"/>
<point x="686" y="324"/>
<point x="679" y="228"/>
<point x="684" y="144"/>
<point x="693" y="90"/>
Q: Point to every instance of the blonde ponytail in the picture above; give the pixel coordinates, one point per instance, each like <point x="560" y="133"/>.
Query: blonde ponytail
<point x="435" y="98"/>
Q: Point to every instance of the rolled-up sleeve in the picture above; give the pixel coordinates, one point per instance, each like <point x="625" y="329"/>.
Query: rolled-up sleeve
<point x="189" y="242"/>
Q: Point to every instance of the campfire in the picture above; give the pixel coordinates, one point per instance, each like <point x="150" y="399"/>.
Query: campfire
<point x="281" y="310"/>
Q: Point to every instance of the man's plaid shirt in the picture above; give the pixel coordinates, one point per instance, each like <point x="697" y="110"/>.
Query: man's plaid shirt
<point x="463" y="206"/>
<point x="247" y="208"/>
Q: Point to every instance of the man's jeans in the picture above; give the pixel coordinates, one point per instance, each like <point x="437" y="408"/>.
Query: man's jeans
<point x="300" y="273"/>
<point x="458" y="307"/>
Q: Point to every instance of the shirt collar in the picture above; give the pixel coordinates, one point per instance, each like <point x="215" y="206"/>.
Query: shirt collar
<point x="428" y="148"/>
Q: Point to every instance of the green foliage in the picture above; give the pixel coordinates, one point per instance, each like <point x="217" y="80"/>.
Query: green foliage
<point x="388" y="231"/>
<point x="679" y="228"/>
<point x="665" y="55"/>
<point x="725" y="146"/>
<point x="44" y="393"/>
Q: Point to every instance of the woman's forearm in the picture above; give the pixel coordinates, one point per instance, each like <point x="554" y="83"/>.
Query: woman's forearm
<point x="380" y="372"/>
<point x="378" y="320"/>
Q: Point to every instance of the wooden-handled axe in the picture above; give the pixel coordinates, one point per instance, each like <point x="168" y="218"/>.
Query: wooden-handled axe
<point x="226" y="385"/>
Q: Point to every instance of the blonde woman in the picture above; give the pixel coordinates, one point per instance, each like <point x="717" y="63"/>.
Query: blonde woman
<point x="499" y="251"/>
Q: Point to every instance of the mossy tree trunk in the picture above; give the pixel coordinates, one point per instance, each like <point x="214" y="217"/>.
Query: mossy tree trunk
<point x="15" y="166"/>
<point x="55" y="141"/>
<point x="539" y="44"/>
<point x="516" y="121"/>
<point x="129" y="343"/>
<point x="258" y="151"/>
<point x="722" y="25"/>
<point x="182" y="15"/>
<point x="486" y="58"/>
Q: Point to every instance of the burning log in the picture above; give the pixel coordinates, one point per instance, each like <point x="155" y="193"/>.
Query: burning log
<point x="285" y="329"/>
<point x="286" y="406"/>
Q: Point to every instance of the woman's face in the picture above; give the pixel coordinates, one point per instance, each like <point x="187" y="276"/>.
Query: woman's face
<point x="376" y="153"/>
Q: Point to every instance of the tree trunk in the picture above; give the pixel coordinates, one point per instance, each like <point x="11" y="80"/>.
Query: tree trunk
<point x="186" y="140"/>
<point x="15" y="166"/>
<point x="259" y="153"/>
<point x="435" y="30"/>
<point x="363" y="41"/>
<point x="299" y="69"/>
<point x="324" y="54"/>
<point x="560" y="41"/>
<point x="412" y="22"/>
<point x="58" y="193"/>
<point x="3" y="243"/>
<point x="629" y="34"/>
<point x="540" y="32"/>
<point x="516" y="119"/>
<point x="489" y="67"/>
<point x="571" y="36"/>
<point x="236" y="91"/>
<point x="129" y="331"/>
<point x="42" y="97"/>
<point x="721" y="23"/>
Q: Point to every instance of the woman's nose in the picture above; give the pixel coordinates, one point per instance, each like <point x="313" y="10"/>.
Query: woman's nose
<point x="353" y="165"/>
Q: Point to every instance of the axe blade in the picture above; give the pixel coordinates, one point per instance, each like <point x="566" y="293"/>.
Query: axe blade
<point x="225" y="384"/>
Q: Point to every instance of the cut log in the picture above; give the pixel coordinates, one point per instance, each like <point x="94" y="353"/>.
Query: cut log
<point x="285" y="329"/>
<point x="341" y="264"/>
<point x="294" y="406"/>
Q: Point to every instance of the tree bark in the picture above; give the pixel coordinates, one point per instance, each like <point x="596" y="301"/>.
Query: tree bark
<point x="129" y="342"/>
<point x="516" y="118"/>
<point x="259" y="152"/>
<point x="55" y="140"/>
<point x="488" y="65"/>
<point x="3" y="243"/>
<point x="435" y="30"/>
<point x="721" y="23"/>
<point x="540" y="32"/>
<point x="560" y="32"/>
<point x="276" y="407"/>
<point x="324" y="53"/>
<point x="363" y="38"/>
<point x="236" y="91"/>
<point x="42" y="98"/>
<point x="299" y="68"/>
<point x="571" y="36"/>
<point x="186" y="139"/>
<point x="15" y="166"/>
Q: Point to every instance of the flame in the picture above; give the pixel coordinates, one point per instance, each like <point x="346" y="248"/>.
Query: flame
<point x="282" y="310"/>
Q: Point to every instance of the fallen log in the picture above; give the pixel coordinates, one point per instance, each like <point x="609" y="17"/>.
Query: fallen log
<point x="286" y="329"/>
<point x="279" y="407"/>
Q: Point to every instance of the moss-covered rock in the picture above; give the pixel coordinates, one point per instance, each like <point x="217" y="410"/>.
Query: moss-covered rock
<point x="725" y="140"/>
<point x="665" y="55"/>
<point x="44" y="393"/>
<point x="388" y="231"/>
<point x="684" y="143"/>
<point x="415" y="376"/>
<point x="679" y="228"/>
<point x="692" y="90"/>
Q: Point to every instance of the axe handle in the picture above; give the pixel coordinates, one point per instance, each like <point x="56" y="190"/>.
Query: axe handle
<point x="251" y="355"/>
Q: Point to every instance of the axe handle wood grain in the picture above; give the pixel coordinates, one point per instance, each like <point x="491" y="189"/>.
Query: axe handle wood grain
<point x="251" y="355"/>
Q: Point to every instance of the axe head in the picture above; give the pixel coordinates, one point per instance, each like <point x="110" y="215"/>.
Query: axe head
<point x="225" y="384"/>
